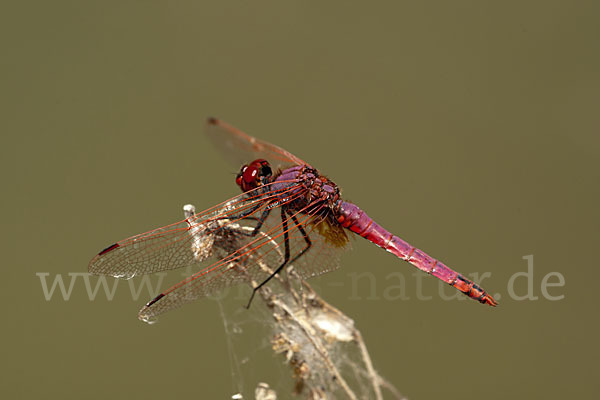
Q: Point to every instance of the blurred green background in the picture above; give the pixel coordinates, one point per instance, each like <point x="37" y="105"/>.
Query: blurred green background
<point x="468" y="128"/>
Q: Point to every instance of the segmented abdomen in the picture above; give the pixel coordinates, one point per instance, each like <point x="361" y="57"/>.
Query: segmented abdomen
<point x="355" y="219"/>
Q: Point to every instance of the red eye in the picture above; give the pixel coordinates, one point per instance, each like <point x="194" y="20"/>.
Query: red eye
<point x="251" y="175"/>
<point x="238" y="178"/>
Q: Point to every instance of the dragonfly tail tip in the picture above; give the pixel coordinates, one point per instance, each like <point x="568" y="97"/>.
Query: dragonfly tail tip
<point x="489" y="300"/>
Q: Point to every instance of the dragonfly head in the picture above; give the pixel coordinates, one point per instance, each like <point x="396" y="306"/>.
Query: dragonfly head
<point x="253" y="175"/>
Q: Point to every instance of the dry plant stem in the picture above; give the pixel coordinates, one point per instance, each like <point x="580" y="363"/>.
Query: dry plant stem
<point x="300" y="312"/>
<point x="273" y="301"/>
<point x="374" y="378"/>
<point x="310" y="335"/>
<point x="392" y="389"/>
<point x="303" y="301"/>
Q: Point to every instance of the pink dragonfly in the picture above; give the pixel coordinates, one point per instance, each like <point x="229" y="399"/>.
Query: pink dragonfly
<point x="291" y="215"/>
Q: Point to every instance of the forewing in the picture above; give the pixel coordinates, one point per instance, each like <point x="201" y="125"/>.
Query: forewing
<point x="185" y="243"/>
<point x="240" y="148"/>
<point x="260" y="255"/>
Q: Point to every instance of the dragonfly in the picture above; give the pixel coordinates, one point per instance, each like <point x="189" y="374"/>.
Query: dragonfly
<point x="287" y="214"/>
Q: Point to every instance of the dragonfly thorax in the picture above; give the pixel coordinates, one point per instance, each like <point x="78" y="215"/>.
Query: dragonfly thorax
<point x="319" y="189"/>
<point x="253" y="175"/>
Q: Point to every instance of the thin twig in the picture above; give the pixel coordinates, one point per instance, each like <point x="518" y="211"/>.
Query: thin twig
<point x="313" y="335"/>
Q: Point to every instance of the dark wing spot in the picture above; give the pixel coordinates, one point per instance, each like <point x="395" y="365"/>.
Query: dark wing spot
<point x="157" y="298"/>
<point x="109" y="248"/>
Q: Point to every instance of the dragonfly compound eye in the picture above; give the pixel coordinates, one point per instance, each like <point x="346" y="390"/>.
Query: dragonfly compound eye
<point x="252" y="175"/>
<point x="240" y="175"/>
<point x="265" y="171"/>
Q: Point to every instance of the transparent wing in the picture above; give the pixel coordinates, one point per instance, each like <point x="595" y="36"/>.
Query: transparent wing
<point x="181" y="244"/>
<point x="240" y="148"/>
<point x="256" y="257"/>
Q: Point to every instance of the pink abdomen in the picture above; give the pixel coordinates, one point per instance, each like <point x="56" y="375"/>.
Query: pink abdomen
<point x="352" y="217"/>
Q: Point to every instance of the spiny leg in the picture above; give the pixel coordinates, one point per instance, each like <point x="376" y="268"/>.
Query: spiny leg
<point x="286" y="257"/>
<point x="243" y="214"/>
<point x="304" y="235"/>
<point x="287" y="250"/>
<point x="260" y="221"/>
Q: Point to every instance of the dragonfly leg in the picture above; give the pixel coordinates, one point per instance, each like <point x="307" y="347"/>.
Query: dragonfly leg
<point x="261" y="220"/>
<point x="255" y="230"/>
<point x="287" y="250"/>
<point x="242" y="215"/>
<point x="286" y="257"/>
<point x="304" y="235"/>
